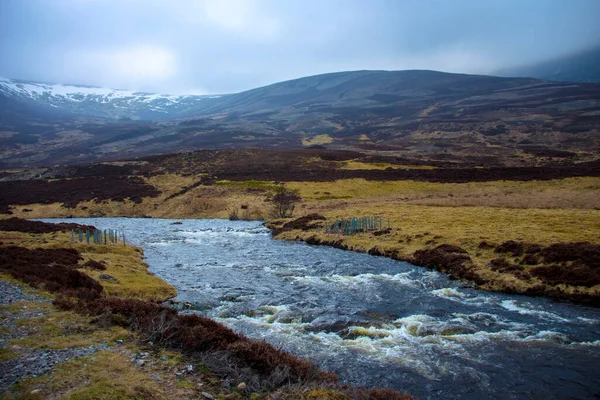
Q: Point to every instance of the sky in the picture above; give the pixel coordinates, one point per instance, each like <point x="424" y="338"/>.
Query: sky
<point x="227" y="46"/>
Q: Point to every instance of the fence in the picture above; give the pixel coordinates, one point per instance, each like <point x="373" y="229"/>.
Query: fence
<point x="356" y="225"/>
<point x="97" y="236"/>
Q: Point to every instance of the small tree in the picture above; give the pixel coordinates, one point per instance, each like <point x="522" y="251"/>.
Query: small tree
<point x="284" y="202"/>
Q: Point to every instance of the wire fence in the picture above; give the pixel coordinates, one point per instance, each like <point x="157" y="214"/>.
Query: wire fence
<point x="355" y="225"/>
<point x="97" y="236"/>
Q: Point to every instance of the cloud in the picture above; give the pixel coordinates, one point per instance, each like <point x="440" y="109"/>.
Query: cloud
<point x="232" y="45"/>
<point x="245" y="17"/>
<point x="132" y="67"/>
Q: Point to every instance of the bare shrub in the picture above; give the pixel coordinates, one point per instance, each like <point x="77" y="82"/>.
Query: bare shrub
<point x="284" y="202"/>
<point x="233" y="215"/>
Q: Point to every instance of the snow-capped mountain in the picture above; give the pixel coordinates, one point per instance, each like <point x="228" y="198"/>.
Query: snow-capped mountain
<point x="102" y="102"/>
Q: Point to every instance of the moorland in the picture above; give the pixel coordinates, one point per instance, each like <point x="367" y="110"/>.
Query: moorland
<point x="528" y="230"/>
<point x="493" y="181"/>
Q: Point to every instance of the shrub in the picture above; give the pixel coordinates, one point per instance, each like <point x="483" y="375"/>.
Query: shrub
<point x="284" y="202"/>
<point x="233" y="215"/>
<point x="51" y="269"/>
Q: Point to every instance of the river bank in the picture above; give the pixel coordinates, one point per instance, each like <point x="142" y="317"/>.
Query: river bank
<point x="91" y="326"/>
<point x="372" y="320"/>
<point x="560" y="270"/>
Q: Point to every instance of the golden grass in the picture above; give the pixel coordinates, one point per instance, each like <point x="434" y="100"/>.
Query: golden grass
<point x="318" y="139"/>
<point x="582" y="193"/>
<point x="132" y="277"/>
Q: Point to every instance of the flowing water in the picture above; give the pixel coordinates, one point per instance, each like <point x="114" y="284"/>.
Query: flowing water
<point x="374" y="321"/>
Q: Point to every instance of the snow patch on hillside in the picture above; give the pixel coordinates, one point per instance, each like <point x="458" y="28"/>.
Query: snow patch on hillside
<point x="61" y="95"/>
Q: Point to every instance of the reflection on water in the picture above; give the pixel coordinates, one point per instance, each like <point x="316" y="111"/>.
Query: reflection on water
<point x="374" y="321"/>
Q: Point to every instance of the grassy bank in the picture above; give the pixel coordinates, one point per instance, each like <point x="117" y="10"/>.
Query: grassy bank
<point x="99" y="303"/>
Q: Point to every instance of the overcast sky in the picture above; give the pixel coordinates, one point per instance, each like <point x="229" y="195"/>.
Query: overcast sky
<point x="224" y="46"/>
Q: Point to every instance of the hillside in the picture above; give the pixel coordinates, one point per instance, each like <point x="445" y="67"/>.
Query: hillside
<point x="426" y="114"/>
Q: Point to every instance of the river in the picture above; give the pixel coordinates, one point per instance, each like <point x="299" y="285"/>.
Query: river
<point x="376" y="322"/>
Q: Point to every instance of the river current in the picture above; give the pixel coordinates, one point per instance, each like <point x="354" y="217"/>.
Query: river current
<point x="374" y="321"/>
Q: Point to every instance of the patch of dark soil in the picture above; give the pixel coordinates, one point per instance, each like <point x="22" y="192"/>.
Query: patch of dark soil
<point x="96" y="265"/>
<point x="23" y="225"/>
<point x="449" y="175"/>
<point x="549" y="153"/>
<point x="512" y="247"/>
<point x="530" y="259"/>
<point x="304" y="223"/>
<point x="485" y="245"/>
<point x="51" y="269"/>
<point x="503" y="266"/>
<point x="448" y="248"/>
<point x="338" y="244"/>
<point x="532" y="248"/>
<point x="70" y="192"/>
<point x="385" y="231"/>
<point x="579" y="252"/>
<point x="575" y="274"/>
<point x="448" y="259"/>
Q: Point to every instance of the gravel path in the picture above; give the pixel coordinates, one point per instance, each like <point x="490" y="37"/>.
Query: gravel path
<point x="38" y="362"/>
<point x="31" y="362"/>
<point x="10" y="293"/>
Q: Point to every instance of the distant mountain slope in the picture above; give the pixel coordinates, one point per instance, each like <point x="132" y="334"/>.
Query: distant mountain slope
<point x="580" y="67"/>
<point x="420" y="113"/>
<point x="363" y="89"/>
<point x="99" y="102"/>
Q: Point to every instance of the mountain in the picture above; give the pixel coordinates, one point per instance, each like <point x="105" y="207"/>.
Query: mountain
<point x="92" y="101"/>
<point x="580" y="67"/>
<point x="424" y="114"/>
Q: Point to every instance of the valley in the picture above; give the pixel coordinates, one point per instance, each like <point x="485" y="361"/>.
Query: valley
<point x="487" y="190"/>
